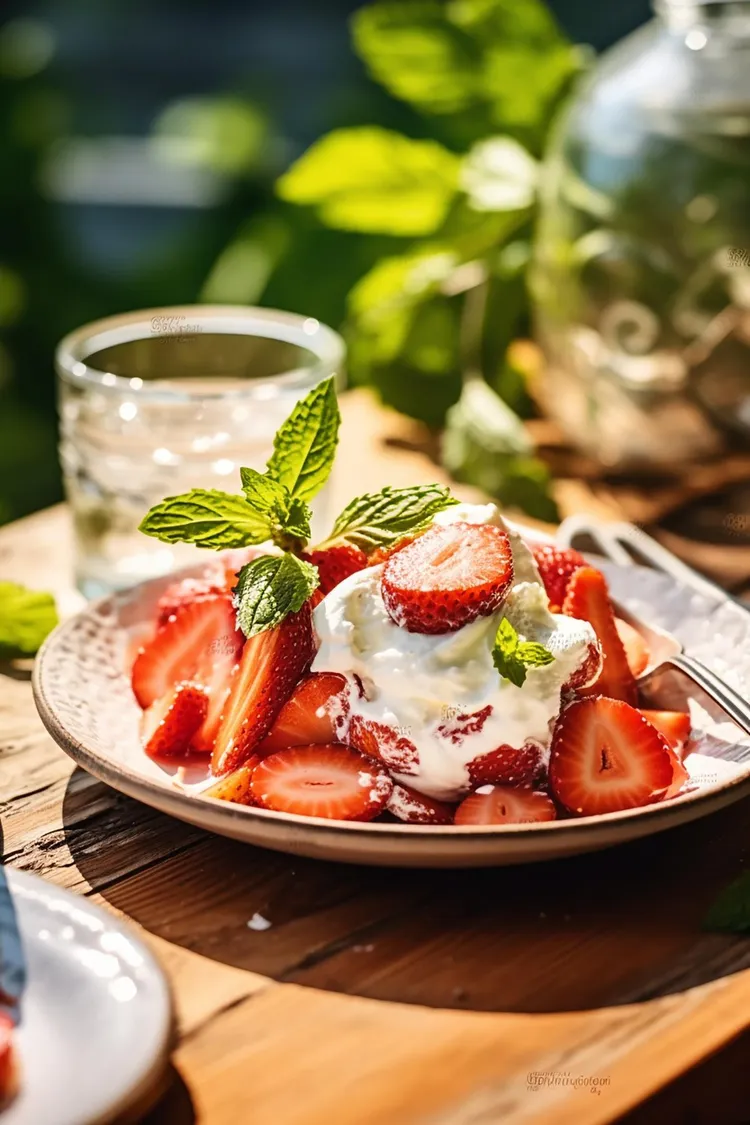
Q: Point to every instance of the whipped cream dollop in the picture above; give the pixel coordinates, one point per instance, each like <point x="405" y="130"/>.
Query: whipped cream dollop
<point x="428" y="687"/>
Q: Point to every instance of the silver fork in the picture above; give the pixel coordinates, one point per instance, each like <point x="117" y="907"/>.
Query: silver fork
<point x="624" y="544"/>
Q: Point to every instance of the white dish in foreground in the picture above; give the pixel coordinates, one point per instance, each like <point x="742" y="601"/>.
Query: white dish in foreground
<point x="96" y="1014"/>
<point x="84" y="698"/>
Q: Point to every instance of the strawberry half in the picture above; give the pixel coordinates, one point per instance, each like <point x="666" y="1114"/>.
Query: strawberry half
<point x="588" y="600"/>
<point x="674" y="725"/>
<point x="235" y="786"/>
<point x="336" y="563"/>
<point x="314" y="713"/>
<point x="448" y="577"/>
<point x="390" y="745"/>
<point x="200" y="643"/>
<point x="606" y="757"/>
<point x="183" y="593"/>
<point x="168" y="726"/>
<point x="272" y="664"/>
<point x="334" y="782"/>
<point x="508" y="765"/>
<point x="381" y="554"/>
<point x="556" y="566"/>
<point x="417" y="808"/>
<point x="498" y="804"/>
<point x="637" y="651"/>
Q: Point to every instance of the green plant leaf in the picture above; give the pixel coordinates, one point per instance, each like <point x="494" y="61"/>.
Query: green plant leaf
<point x="378" y="518"/>
<point x="499" y="175"/>
<point x="262" y="492"/>
<point x="26" y="617"/>
<point x="374" y="180"/>
<point x="305" y="444"/>
<point x="730" y="913"/>
<point x="270" y="588"/>
<point x="512" y="657"/>
<point x="208" y="518"/>
<point x="418" y="54"/>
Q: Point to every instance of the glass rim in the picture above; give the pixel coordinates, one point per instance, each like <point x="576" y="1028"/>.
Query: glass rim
<point x="305" y="332"/>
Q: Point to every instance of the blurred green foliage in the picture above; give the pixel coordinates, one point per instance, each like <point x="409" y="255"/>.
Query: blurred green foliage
<point x="438" y="315"/>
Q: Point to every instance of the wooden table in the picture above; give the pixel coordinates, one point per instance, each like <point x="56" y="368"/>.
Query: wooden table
<point x="391" y="997"/>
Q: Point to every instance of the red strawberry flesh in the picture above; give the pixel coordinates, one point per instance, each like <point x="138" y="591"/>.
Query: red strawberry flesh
<point x="507" y="765"/>
<point x="390" y="745"/>
<point x="170" y="723"/>
<point x="336" y="563"/>
<point x="448" y="577"/>
<point x="272" y="664"/>
<point x="412" y="807"/>
<point x="556" y="565"/>
<point x="499" y="804"/>
<point x="606" y="757"/>
<point x="588" y="600"/>
<point x="636" y="650"/>
<point x="334" y="782"/>
<point x="314" y="714"/>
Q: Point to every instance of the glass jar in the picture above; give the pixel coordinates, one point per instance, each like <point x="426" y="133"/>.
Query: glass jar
<point x="641" y="271"/>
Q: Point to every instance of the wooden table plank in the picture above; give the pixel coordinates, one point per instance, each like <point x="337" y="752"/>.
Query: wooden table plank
<point x="386" y="997"/>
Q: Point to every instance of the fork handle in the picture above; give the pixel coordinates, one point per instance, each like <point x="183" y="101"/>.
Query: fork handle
<point x="737" y="708"/>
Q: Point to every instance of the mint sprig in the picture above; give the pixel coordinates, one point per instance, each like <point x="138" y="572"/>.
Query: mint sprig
<point x="377" y="519"/>
<point x="26" y="617"/>
<point x="271" y="587"/>
<point x="207" y="518"/>
<point x="305" y="445"/>
<point x="512" y="656"/>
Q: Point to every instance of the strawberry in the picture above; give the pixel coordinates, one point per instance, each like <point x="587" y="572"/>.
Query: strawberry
<point x="390" y="744"/>
<point x="507" y="765"/>
<point x="7" y="1060"/>
<point x="497" y="804"/>
<point x="200" y="644"/>
<point x="636" y="650"/>
<point x="336" y="563"/>
<point x="185" y="592"/>
<point x="606" y="757"/>
<point x="674" y="725"/>
<point x="381" y="554"/>
<point x="330" y="781"/>
<point x="448" y="577"/>
<point x="589" y="671"/>
<point x="170" y="722"/>
<point x="235" y="786"/>
<point x="588" y="600"/>
<point x="459" y="726"/>
<point x="556" y="565"/>
<point x="271" y="666"/>
<point x="314" y="713"/>
<point x="417" y="808"/>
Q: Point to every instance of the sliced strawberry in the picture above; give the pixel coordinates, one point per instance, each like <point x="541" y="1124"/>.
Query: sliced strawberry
<point x="7" y="1060"/>
<point x="168" y="726"/>
<point x="417" y="808"/>
<point x="606" y="757"/>
<point x="381" y="554"/>
<point x="498" y="804"/>
<point x="185" y="592"/>
<point x="316" y="712"/>
<point x="507" y="765"/>
<point x="336" y="563"/>
<point x="391" y="745"/>
<point x="674" y="725"/>
<point x="331" y="781"/>
<point x="235" y="786"/>
<point x="589" y="671"/>
<point x="556" y="566"/>
<point x="448" y="577"/>
<point x="190" y="646"/>
<point x="460" y="725"/>
<point x="588" y="600"/>
<point x="636" y="650"/>
<point x="272" y="664"/>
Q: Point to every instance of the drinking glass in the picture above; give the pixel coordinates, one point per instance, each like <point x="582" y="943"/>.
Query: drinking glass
<point x="156" y="402"/>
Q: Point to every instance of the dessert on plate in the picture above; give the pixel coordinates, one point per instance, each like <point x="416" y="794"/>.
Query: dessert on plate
<point x="426" y="662"/>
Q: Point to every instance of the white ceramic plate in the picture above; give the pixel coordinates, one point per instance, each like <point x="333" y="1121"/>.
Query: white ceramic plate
<point x="85" y="701"/>
<point x="96" y="1014"/>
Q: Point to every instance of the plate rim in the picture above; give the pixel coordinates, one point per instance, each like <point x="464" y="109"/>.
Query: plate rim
<point x="723" y="792"/>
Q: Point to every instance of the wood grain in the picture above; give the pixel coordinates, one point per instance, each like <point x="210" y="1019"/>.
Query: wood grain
<point x="387" y="997"/>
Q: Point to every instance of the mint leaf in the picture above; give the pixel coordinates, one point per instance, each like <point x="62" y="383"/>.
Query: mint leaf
<point x="297" y="520"/>
<point x="378" y="518"/>
<point x="264" y="493"/>
<point x="376" y="181"/>
<point x="208" y="518"/>
<point x="26" y="617"/>
<point x="512" y="657"/>
<point x="270" y="588"/>
<point x="730" y="913"/>
<point x="305" y="444"/>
